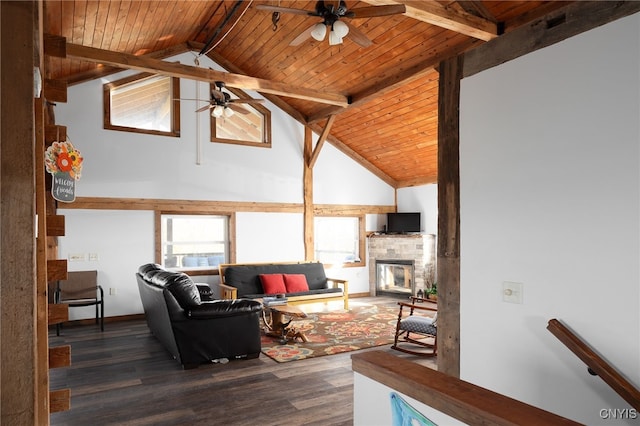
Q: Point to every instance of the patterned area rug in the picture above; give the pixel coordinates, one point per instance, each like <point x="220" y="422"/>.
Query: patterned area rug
<point x="330" y="333"/>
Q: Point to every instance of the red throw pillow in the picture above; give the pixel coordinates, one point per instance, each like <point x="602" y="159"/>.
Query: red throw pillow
<point x="272" y="283"/>
<point x="296" y="283"/>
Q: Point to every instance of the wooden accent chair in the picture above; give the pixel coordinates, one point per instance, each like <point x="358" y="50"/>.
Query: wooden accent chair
<point x="81" y="288"/>
<point x="417" y="329"/>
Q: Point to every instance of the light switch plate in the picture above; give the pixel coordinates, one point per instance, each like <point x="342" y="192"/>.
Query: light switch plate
<point x="512" y="292"/>
<point x="76" y="257"/>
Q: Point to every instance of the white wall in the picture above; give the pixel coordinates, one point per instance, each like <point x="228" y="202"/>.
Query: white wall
<point x="123" y="164"/>
<point x="423" y="199"/>
<point x="550" y="196"/>
<point x="120" y="241"/>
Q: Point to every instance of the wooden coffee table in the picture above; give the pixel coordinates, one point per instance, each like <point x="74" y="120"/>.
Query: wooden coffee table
<point x="279" y="324"/>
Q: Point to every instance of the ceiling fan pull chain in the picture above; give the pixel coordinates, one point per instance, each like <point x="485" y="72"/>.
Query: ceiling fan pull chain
<point x="275" y="18"/>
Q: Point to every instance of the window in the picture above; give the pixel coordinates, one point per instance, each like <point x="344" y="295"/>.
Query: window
<point x="250" y="128"/>
<point x="194" y="241"/>
<point x="339" y="240"/>
<point x="143" y="103"/>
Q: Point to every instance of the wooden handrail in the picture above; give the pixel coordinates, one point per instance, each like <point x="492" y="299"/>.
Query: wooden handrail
<point x="595" y="363"/>
<point x="456" y="398"/>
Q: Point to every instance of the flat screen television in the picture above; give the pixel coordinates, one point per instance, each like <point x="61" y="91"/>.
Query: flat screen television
<point x="402" y="223"/>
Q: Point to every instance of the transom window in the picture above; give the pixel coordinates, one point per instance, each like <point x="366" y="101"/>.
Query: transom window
<point x="245" y="124"/>
<point x="193" y="241"/>
<point x="339" y="240"/>
<point x="143" y="103"/>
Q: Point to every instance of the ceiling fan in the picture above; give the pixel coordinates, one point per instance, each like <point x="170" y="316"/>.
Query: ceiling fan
<point x="331" y="13"/>
<point x="221" y="103"/>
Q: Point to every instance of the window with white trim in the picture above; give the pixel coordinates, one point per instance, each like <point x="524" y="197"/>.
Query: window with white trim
<point x="194" y="241"/>
<point x="339" y="240"/>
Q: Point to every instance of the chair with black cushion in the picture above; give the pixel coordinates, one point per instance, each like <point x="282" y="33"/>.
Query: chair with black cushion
<point x="416" y="328"/>
<point x="81" y="288"/>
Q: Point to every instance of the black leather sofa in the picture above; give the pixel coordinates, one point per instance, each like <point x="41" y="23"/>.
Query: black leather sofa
<point x="194" y="331"/>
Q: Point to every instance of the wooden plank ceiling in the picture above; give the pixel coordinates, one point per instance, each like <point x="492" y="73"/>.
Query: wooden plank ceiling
<point x="390" y="125"/>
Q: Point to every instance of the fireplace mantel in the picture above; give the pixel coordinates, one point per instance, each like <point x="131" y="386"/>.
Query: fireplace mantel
<point x="419" y="248"/>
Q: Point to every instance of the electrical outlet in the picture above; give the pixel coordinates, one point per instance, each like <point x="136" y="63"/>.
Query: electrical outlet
<point x="112" y="291"/>
<point x="93" y="257"/>
<point x="76" y="257"/>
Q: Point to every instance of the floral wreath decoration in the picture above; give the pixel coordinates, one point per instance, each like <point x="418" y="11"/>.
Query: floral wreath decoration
<point x="63" y="157"/>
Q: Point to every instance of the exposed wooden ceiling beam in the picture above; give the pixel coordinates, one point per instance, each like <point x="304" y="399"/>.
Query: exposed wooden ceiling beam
<point x="229" y="66"/>
<point x="395" y="80"/>
<point x="424" y="180"/>
<point x="434" y="13"/>
<point x="125" y="60"/>
<point x="573" y="19"/>
<point x="321" y="139"/>
<point x="341" y="146"/>
<point x="104" y="71"/>
<point x="476" y="8"/>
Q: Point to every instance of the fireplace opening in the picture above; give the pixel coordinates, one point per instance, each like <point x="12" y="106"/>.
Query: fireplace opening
<point x="395" y="277"/>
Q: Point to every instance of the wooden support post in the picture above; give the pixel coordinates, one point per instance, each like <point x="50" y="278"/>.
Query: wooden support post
<point x="42" y="325"/>
<point x="18" y="336"/>
<point x="448" y="263"/>
<point x="307" y="184"/>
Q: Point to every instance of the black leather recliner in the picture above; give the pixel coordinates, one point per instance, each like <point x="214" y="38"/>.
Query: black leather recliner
<point x="195" y="331"/>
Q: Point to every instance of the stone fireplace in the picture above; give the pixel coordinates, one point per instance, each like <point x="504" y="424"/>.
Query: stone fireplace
<point x="400" y="264"/>
<point x="395" y="277"/>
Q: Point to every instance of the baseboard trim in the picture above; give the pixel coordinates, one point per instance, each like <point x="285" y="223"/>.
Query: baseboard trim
<point x="356" y="295"/>
<point x="92" y="321"/>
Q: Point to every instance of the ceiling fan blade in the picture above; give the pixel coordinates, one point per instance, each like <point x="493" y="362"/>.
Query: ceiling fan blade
<point x="204" y="108"/>
<point x="285" y="10"/>
<point x="373" y="11"/>
<point x="238" y="108"/>
<point x="358" y="36"/>
<point x="304" y="36"/>
<point x="246" y="101"/>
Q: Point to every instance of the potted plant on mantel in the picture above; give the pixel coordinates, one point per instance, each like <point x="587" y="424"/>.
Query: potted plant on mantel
<point x="432" y="291"/>
<point x="431" y="287"/>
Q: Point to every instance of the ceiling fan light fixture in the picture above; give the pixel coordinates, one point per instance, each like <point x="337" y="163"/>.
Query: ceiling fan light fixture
<point x="334" y="38"/>
<point x="228" y="112"/>
<point x="217" y="111"/>
<point x="319" y="31"/>
<point x="340" y="28"/>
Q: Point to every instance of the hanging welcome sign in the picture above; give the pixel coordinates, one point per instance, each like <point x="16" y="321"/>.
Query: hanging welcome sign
<point x="64" y="162"/>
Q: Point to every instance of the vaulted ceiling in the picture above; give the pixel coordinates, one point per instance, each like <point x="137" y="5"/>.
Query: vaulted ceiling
<point x="384" y="97"/>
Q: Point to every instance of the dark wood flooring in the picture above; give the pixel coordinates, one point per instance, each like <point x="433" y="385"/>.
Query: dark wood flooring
<point x="123" y="376"/>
